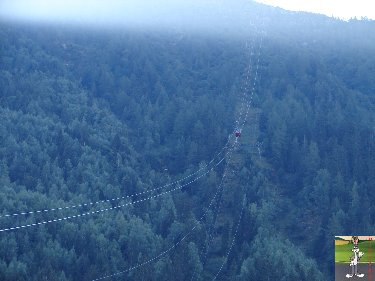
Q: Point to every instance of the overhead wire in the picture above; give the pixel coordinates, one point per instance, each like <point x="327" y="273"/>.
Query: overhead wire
<point x="234" y="238"/>
<point x="216" y="210"/>
<point x="186" y="235"/>
<point x="254" y="84"/>
<point x="244" y="88"/>
<point x="175" y="244"/>
<point x="243" y="105"/>
<point x="220" y="187"/>
<point x="205" y="213"/>
<point x="111" y="208"/>
<point x="249" y="103"/>
<point x="201" y="218"/>
<point x="244" y="196"/>
<point x="118" y="198"/>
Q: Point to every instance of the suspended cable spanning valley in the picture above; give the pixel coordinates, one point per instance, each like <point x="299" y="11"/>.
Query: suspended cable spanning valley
<point x="234" y="237"/>
<point x="115" y="207"/>
<point x="254" y="84"/>
<point x="240" y="127"/>
<point x="244" y="196"/>
<point x="216" y="210"/>
<point x="244" y="105"/>
<point x="247" y="105"/>
<point x="220" y="186"/>
<point x="195" y="176"/>
<point x="135" y="194"/>
<point x="206" y="166"/>
<point x="248" y="71"/>
<point x="244" y="88"/>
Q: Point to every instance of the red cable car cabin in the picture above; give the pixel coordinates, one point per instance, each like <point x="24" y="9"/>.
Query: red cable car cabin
<point x="237" y="133"/>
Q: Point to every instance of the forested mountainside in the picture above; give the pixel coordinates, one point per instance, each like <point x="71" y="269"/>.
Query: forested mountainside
<point x="115" y="162"/>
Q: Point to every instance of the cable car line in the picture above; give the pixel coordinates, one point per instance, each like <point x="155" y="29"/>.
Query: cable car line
<point x="245" y="105"/>
<point x="117" y="198"/>
<point x="248" y="104"/>
<point x="234" y="238"/>
<point x="244" y="88"/>
<point x="254" y="84"/>
<point x="112" y="208"/>
<point x="210" y="237"/>
<point x="179" y="241"/>
<point x="238" y="134"/>
<point x="249" y="68"/>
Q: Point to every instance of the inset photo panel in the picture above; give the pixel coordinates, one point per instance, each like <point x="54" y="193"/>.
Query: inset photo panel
<point x="354" y="257"/>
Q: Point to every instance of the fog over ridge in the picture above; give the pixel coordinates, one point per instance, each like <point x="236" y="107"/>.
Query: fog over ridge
<point x="114" y="11"/>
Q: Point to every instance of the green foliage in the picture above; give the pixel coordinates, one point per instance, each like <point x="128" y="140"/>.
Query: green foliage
<point x="343" y="253"/>
<point x="90" y="116"/>
<point x="276" y="258"/>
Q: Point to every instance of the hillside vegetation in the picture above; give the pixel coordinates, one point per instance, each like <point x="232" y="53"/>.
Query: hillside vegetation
<point x="91" y="116"/>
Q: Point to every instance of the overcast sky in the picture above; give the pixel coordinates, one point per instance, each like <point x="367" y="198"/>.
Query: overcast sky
<point x="110" y="11"/>
<point x="344" y="9"/>
<point x="99" y="11"/>
<point x="78" y="10"/>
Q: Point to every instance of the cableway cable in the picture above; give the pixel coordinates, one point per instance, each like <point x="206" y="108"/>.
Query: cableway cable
<point x="118" y="198"/>
<point x="234" y="238"/>
<point x="216" y="211"/>
<point x="174" y="245"/>
<point x="248" y="105"/>
<point x="115" y="207"/>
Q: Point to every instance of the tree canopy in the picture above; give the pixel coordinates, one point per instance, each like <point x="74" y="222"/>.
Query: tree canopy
<point x="91" y="118"/>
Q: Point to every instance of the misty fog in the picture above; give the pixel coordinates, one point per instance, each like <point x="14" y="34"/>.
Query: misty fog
<point x="201" y="15"/>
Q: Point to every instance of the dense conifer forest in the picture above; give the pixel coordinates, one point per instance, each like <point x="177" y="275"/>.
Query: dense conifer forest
<point x="91" y="117"/>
